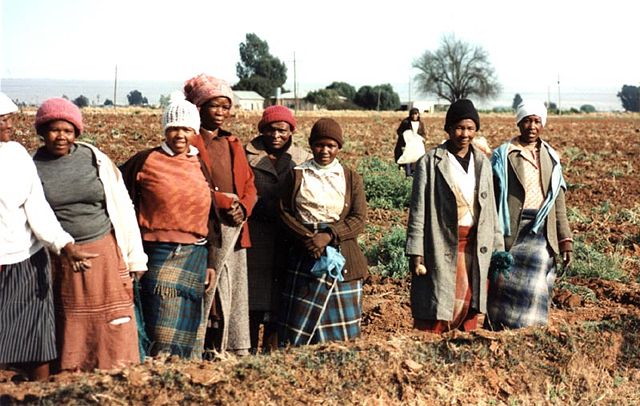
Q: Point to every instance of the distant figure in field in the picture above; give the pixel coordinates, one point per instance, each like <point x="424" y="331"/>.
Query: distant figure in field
<point x="235" y="195"/>
<point x="453" y="228"/>
<point x="27" y="325"/>
<point x="172" y="194"/>
<point x="271" y="156"/>
<point x="324" y="210"/>
<point x="413" y="128"/>
<point x="96" y="325"/>
<point x="530" y="193"/>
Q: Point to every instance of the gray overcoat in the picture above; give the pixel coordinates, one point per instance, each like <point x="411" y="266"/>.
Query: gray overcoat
<point x="432" y="232"/>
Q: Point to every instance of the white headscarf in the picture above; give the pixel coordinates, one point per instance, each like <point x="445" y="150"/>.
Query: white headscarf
<point x="6" y="105"/>
<point x="526" y="109"/>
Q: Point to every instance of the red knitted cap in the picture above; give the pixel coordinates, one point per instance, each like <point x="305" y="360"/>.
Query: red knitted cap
<point x="59" y="109"/>
<point x="276" y="113"/>
<point x="326" y="128"/>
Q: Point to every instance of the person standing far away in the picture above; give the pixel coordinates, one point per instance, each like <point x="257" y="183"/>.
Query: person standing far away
<point x="530" y="193"/>
<point x="27" y="226"/>
<point x="95" y="322"/>
<point x="271" y="155"/>
<point x="453" y="228"/>
<point x="415" y="126"/>
<point x="235" y="195"/>
<point x="172" y="194"/>
<point x="323" y="209"/>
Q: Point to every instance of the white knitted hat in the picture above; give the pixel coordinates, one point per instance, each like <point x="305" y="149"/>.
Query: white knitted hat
<point x="181" y="113"/>
<point x="526" y="109"/>
<point x="6" y="105"/>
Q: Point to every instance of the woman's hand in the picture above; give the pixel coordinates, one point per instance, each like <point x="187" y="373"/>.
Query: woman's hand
<point x="566" y="260"/>
<point x="317" y="243"/>
<point x="416" y="265"/>
<point x="210" y="280"/>
<point x="235" y="214"/>
<point x="79" y="260"/>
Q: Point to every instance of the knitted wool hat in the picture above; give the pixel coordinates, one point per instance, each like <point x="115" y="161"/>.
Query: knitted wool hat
<point x="526" y="109"/>
<point x="59" y="109"/>
<point x="276" y="113"/>
<point x="459" y="110"/>
<point x="202" y="88"/>
<point x="326" y="128"/>
<point x="7" y="105"/>
<point x="181" y="113"/>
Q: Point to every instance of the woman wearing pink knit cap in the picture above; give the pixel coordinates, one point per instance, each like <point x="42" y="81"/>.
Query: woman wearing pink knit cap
<point x="95" y="322"/>
<point x="272" y="156"/>
<point x="235" y="196"/>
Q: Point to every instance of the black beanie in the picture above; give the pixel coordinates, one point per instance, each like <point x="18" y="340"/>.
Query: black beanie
<point x="326" y="128"/>
<point x="459" y="110"/>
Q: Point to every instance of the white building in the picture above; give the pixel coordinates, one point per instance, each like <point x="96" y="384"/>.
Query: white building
<point x="248" y="100"/>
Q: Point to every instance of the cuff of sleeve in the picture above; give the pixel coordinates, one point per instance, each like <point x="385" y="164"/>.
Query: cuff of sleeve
<point x="59" y="244"/>
<point x="566" y="245"/>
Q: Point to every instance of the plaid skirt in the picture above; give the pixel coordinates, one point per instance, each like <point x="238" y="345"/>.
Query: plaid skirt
<point x="27" y="327"/>
<point x="171" y="293"/>
<point x="317" y="309"/>
<point x="522" y="297"/>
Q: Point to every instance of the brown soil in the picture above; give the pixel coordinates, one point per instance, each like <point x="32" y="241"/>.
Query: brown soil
<point x="588" y="354"/>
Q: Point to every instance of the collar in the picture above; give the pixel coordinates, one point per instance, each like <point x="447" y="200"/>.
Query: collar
<point x="192" y="150"/>
<point x="333" y="167"/>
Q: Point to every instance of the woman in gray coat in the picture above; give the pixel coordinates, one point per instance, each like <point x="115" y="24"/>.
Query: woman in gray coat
<point x="453" y="228"/>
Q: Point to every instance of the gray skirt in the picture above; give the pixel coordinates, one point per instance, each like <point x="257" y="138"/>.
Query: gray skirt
<point x="27" y="326"/>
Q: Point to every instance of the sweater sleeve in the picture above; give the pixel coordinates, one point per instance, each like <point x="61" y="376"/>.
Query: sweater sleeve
<point x="40" y="216"/>
<point x="417" y="208"/>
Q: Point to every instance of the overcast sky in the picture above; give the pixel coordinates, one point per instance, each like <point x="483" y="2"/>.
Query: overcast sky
<point x="588" y="44"/>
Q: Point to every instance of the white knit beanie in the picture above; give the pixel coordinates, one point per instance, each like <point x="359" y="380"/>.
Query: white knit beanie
<point x="526" y="109"/>
<point x="6" y="105"/>
<point x="181" y="113"/>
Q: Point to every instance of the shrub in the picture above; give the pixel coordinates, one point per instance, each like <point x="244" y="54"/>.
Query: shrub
<point x="385" y="186"/>
<point x="592" y="262"/>
<point x="387" y="257"/>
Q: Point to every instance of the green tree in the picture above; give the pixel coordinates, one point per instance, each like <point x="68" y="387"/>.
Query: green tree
<point x="164" y="101"/>
<point x="323" y="97"/>
<point x="81" y="101"/>
<point x="380" y="97"/>
<point x="258" y="70"/>
<point x="108" y="102"/>
<point x="456" y="70"/>
<point x="344" y="89"/>
<point x="135" y="98"/>
<point x="630" y="98"/>
<point x="517" y="100"/>
<point x="587" y="108"/>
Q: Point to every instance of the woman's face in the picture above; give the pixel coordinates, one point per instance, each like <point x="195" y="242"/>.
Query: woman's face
<point x="6" y="127"/>
<point x="276" y="135"/>
<point x="530" y="129"/>
<point x="59" y="136"/>
<point x="461" y="133"/>
<point x="215" y="112"/>
<point x="324" y="151"/>
<point x="415" y="116"/>
<point x="179" y="139"/>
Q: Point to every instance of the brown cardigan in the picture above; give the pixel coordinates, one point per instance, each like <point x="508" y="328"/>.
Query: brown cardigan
<point x="345" y="231"/>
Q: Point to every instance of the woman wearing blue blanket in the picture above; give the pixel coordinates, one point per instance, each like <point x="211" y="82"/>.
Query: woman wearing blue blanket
<point x="324" y="209"/>
<point x="530" y="194"/>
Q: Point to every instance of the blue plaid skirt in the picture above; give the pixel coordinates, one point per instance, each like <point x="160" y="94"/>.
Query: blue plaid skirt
<point x="522" y="298"/>
<point x="317" y="309"/>
<point x="171" y="293"/>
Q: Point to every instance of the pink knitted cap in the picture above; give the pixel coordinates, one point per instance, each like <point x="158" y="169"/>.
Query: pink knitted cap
<point x="59" y="109"/>
<point x="202" y="88"/>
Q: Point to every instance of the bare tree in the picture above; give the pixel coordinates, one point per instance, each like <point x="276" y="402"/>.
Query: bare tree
<point x="456" y="70"/>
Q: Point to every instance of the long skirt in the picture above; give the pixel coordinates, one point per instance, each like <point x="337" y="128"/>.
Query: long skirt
<point x="27" y="329"/>
<point x="172" y="292"/>
<point x="317" y="309"/>
<point x="522" y="297"/>
<point x="95" y="321"/>
<point x="464" y="318"/>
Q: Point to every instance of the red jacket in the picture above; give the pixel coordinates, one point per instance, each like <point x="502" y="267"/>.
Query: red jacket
<point x="242" y="180"/>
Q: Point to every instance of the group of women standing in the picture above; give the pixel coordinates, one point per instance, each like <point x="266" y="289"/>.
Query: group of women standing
<point x="466" y="210"/>
<point x="175" y="220"/>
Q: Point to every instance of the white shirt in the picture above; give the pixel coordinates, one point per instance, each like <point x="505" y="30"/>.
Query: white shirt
<point x="25" y="216"/>
<point x="322" y="192"/>
<point x="466" y="184"/>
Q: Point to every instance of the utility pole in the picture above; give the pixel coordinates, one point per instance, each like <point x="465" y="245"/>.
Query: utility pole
<point x="115" y="87"/>
<point x="559" y="105"/>
<point x="409" y="101"/>
<point x="378" y="105"/>
<point x="295" y="84"/>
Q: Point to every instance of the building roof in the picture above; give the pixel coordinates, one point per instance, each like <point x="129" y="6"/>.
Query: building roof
<point x="291" y="95"/>
<point x="247" y="95"/>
